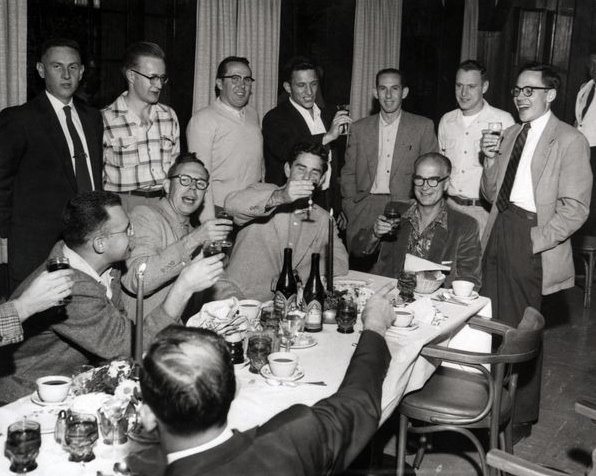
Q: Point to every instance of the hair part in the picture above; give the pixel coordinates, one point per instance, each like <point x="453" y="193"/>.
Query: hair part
<point x="188" y="379"/>
<point x="300" y="63"/>
<point x="309" y="147"/>
<point x="436" y="158"/>
<point x="550" y="75"/>
<point x="58" y="43"/>
<point x="396" y="71"/>
<point x="473" y="65"/>
<point x="85" y="214"/>
<point x="141" y="48"/>
<point x="186" y="158"/>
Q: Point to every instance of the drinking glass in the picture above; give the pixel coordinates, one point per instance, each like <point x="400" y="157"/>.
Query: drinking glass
<point x="289" y="327"/>
<point x="23" y="441"/>
<point x="80" y="435"/>
<point x="310" y="203"/>
<point x="56" y="263"/>
<point x="406" y="282"/>
<point x="113" y="418"/>
<point x="393" y="216"/>
<point x="344" y="129"/>
<point x="495" y="129"/>
<point x="211" y="248"/>
<point x="270" y="318"/>
<point x="260" y="345"/>
<point x="81" y="376"/>
<point x="226" y="216"/>
<point x="346" y="316"/>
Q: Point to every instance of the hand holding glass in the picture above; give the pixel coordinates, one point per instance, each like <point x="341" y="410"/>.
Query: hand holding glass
<point x="491" y="137"/>
<point x="344" y="129"/>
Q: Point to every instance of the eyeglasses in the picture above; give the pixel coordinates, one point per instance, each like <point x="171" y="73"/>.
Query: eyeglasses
<point x="129" y="231"/>
<point x="237" y="79"/>
<point x="527" y="90"/>
<point x="186" y="180"/>
<point x="431" y="181"/>
<point x="154" y="79"/>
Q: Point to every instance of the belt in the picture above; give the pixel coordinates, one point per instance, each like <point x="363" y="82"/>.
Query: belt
<point x="530" y="216"/>
<point x="144" y="193"/>
<point x="467" y="202"/>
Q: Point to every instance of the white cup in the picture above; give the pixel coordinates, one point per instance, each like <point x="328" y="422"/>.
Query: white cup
<point x="53" y="388"/>
<point x="462" y="288"/>
<point x="282" y="364"/>
<point x="250" y="308"/>
<point x="402" y="318"/>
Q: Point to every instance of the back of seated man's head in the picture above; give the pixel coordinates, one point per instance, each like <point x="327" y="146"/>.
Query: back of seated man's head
<point x="85" y="214"/>
<point x="309" y="147"/>
<point x="188" y="380"/>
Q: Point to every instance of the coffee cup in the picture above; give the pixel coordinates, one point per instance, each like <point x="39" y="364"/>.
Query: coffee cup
<point x="403" y="318"/>
<point x="462" y="288"/>
<point x="282" y="364"/>
<point x="250" y="308"/>
<point x="53" y="388"/>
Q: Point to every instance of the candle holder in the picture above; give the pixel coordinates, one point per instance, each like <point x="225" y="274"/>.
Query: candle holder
<point x="138" y="352"/>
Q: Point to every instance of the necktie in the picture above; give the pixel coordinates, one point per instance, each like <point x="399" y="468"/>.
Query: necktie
<point x="588" y="101"/>
<point x="507" y="185"/>
<point x="81" y="170"/>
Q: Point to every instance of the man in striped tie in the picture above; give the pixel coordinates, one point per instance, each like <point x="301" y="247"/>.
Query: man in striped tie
<point x="539" y="182"/>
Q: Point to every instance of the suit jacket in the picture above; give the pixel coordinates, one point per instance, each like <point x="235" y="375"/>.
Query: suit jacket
<point x="459" y="244"/>
<point x="37" y="178"/>
<point x="415" y="136"/>
<point x="283" y="127"/>
<point x="562" y="185"/>
<point x="90" y="328"/>
<point x="257" y="255"/>
<point x="303" y="440"/>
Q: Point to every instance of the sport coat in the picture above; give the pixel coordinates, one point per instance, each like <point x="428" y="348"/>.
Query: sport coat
<point x="415" y="136"/>
<point x="37" y="178"/>
<point x="283" y="126"/>
<point x="562" y="185"/>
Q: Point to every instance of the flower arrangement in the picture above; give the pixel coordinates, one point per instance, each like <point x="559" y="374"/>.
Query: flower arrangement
<point x="113" y="378"/>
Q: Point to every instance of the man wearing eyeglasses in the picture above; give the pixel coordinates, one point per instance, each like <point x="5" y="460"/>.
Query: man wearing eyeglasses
<point x="430" y="228"/>
<point x="164" y="238"/>
<point x="539" y="182"/>
<point x="141" y="135"/>
<point x="226" y="135"/>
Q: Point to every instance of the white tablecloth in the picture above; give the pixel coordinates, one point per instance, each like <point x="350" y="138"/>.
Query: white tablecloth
<point x="256" y="401"/>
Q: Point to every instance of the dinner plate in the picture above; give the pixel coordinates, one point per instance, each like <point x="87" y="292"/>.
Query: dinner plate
<point x="470" y="298"/>
<point x="305" y="342"/>
<point x="38" y="401"/>
<point x="297" y="375"/>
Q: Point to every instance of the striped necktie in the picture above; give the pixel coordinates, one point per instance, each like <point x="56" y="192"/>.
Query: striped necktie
<point x="516" y="153"/>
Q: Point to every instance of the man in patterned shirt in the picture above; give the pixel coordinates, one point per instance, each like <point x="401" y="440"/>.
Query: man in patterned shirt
<point x="142" y="136"/>
<point x="430" y="228"/>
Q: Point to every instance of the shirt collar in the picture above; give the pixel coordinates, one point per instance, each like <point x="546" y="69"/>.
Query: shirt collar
<point x="78" y="262"/>
<point x="224" y="436"/>
<point x="315" y="109"/>
<point x="538" y="125"/>
<point x="413" y="216"/>
<point x="237" y="112"/>
<point x="57" y="104"/>
<point x="384" y="123"/>
<point x="121" y="109"/>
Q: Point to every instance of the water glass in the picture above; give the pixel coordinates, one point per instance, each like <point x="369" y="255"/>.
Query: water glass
<point x="80" y="436"/>
<point x="289" y="327"/>
<point x="260" y="345"/>
<point x="270" y="318"/>
<point x="23" y="441"/>
<point x="115" y="417"/>
<point x="347" y="313"/>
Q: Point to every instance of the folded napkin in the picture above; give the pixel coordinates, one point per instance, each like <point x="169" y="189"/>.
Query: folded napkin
<point x="414" y="264"/>
<point x="222" y="317"/>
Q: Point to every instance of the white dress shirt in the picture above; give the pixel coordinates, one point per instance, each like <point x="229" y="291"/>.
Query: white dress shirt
<point x="77" y="262"/>
<point x="218" y="440"/>
<point x="387" y="136"/>
<point x="522" y="192"/>
<point x="59" y="110"/>
<point x="587" y="124"/>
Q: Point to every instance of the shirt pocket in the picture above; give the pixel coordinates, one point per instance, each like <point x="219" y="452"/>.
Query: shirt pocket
<point x="126" y="151"/>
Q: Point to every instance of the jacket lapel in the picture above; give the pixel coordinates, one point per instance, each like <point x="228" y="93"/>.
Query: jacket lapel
<point x="372" y="135"/>
<point x="542" y="152"/>
<point x="402" y="141"/>
<point x="95" y="155"/>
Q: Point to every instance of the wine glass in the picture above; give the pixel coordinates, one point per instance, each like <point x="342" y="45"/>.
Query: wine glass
<point x="290" y="326"/>
<point x="310" y="203"/>
<point x="23" y="441"/>
<point x="80" y="435"/>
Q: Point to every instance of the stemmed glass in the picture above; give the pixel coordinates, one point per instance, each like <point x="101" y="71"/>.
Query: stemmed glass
<point x="310" y="203"/>
<point x="23" y="441"/>
<point x="80" y="435"/>
<point x="290" y="326"/>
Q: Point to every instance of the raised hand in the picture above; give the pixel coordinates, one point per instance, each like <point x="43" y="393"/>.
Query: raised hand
<point x="45" y="291"/>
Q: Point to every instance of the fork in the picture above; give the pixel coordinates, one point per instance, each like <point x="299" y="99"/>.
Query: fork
<point x="442" y="298"/>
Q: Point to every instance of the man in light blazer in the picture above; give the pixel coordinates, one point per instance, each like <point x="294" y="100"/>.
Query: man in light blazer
<point x="537" y="206"/>
<point x="381" y="153"/>
<point x="38" y="159"/>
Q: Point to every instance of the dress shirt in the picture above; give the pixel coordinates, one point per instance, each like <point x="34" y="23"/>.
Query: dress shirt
<point x="224" y="436"/>
<point x="387" y="136"/>
<point x="77" y="262"/>
<point x="137" y="155"/>
<point x="586" y="124"/>
<point x="59" y="110"/>
<point x="11" y="330"/>
<point x="460" y="142"/>
<point x="522" y="192"/>
<point x="419" y="241"/>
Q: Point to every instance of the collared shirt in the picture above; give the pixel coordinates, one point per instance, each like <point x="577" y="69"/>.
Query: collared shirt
<point x="239" y="113"/>
<point x="224" y="436"/>
<point x="586" y="124"/>
<point x="59" y="110"/>
<point x="522" y="191"/>
<point x="77" y="262"/>
<point x="387" y="136"/>
<point x="419" y="241"/>
<point x="11" y="330"/>
<point x="137" y="155"/>
<point x="460" y="142"/>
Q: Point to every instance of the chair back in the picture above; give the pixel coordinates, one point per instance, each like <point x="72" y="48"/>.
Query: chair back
<point x="523" y="343"/>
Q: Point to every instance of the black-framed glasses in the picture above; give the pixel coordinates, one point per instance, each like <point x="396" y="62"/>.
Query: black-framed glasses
<point x="431" y="181"/>
<point x="237" y="80"/>
<point x="527" y="90"/>
<point x="186" y="180"/>
<point x="129" y="231"/>
<point x="154" y="79"/>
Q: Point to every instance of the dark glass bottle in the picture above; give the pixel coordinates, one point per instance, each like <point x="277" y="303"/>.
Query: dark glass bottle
<point x="285" y="290"/>
<point x="313" y="298"/>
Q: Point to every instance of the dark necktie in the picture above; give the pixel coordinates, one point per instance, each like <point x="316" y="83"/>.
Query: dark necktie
<point x="588" y="101"/>
<point x="516" y="153"/>
<point x="81" y="170"/>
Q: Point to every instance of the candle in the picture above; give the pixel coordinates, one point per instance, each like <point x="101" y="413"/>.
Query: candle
<point x="330" y="253"/>
<point x="138" y="355"/>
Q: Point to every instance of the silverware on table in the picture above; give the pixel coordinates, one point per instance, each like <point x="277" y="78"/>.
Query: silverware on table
<point x="444" y="297"/>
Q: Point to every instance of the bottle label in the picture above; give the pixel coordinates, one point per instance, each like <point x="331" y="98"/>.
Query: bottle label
<point x="314" y="316"/>
<point x="283" y="304"/>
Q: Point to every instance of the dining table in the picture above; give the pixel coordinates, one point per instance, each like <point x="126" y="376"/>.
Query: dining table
<point x="257" y="400"/>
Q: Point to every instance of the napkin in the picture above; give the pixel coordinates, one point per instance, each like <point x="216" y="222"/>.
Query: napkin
<point x="222" y="317"/>
<point x="414" y="264"/>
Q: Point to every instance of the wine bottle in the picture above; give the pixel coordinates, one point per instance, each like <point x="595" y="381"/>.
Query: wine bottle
<point x="285" y="290"/>
<point x="313" y="298"/>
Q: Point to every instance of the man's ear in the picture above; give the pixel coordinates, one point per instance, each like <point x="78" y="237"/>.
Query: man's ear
<point x="404" y="92"/>
<point x="288" y="88"/>
<point x="219" y="84"/>
<point x="287" y="170"/>
<point x="99" y="245"/>
<point x="148" y="418"/>
<point x="166" y="186"/>
<point x="551" y="94"/>
<point x="40" y="70"/>
<point x="485" y="85"/>
<point x="375" y="93"/>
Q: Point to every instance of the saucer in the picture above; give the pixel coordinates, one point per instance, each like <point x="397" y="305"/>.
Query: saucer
<point x="38" y="401"/>
<point x="297" y="375"/>
<point x="470" y="298"/>
<point x="305" y="342"/>
<point x="412" y="327"/>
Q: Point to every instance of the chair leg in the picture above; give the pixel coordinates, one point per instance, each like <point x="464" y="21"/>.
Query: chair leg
<point x="402" y="439"/>
<point x="420" y="452"/>
<point x="589" y="278"/>
<point x="509" y="438"/>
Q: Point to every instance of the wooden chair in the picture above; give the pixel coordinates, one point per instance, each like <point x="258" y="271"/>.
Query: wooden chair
<point x="458" y="400"/>
<point x="585" y="247"/>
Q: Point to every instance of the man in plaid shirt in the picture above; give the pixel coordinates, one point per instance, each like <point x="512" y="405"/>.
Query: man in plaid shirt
<point x="141" y="136"/>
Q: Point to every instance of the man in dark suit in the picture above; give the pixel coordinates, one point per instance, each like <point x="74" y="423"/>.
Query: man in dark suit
<point x="297" y="119"/>
<point x="50" y="149"/>
<point x="188" y="385"/>
<point x="381" y="153"/>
